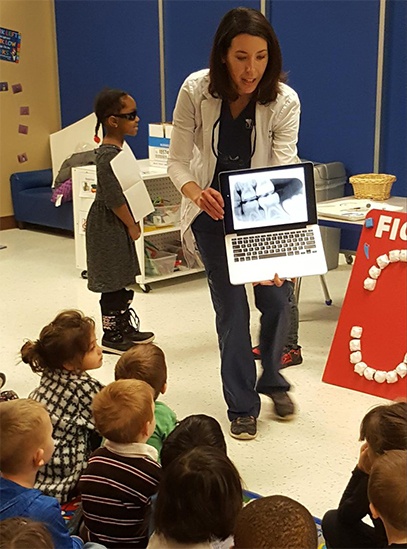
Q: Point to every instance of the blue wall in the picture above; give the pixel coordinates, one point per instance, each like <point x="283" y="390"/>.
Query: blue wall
<point x="109" y="43"/>
<point x="189" y="28"/>
<point x="329" y="50"/>
<point x="394" y="125"/>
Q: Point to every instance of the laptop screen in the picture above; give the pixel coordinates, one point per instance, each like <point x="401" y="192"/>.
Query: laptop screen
<point x="268" y="198"/>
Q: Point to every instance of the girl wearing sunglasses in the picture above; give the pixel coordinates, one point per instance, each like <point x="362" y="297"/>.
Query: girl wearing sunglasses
<point x="111" y="229"/>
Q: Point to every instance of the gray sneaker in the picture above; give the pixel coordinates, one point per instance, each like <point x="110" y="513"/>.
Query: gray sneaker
<point x="284" y="408"/>
<point x="244" y="428"/>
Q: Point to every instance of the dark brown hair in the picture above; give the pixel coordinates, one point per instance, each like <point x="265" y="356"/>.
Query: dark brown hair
<point x="145" y="362"/>
<point x="66" y="339"/>
<point x="385" y="427"/>
<point x="199" y="498"/>
<point x="387" y="488"/>
<point x="275" y="522"/>
<point x="245" y="21"/>
<point x="24" y="533"/>
<point x="108" y="102"/>
<point x="191" y="432"/>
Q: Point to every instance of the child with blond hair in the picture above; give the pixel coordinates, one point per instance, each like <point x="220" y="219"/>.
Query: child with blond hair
<point x="147" y="363"/>
<point x="26" y="444"/>
<point x="121" y="476"/>
<point x="63" y="354"/>
<point x="387" y="491"/>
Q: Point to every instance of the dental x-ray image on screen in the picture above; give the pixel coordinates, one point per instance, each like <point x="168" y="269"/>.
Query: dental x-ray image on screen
<point x="259" y="200"/>
<point x="270" y="223"/>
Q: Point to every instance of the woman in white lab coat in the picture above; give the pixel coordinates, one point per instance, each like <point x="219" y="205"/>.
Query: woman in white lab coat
<point x="238" y="114"/>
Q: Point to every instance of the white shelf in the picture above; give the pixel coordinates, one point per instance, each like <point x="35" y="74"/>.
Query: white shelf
<point x="151" y="279"/>
<point x="162" y="230"/>
<point x="151" y="172"/>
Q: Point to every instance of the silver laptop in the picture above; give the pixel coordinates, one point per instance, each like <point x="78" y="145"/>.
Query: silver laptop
<point x="271" y="223"/>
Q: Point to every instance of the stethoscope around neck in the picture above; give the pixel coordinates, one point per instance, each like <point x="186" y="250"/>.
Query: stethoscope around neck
<point x="236" y="161"/>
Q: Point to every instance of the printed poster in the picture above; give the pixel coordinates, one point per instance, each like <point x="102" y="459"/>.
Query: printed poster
<point x="10" y="42"/>
<point x="369" y="349"/>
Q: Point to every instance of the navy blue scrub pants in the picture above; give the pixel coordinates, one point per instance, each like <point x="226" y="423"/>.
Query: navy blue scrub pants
<point x="231" y="307"/>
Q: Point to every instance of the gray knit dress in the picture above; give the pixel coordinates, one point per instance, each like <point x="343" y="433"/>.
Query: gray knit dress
<point x="111" y="254"/>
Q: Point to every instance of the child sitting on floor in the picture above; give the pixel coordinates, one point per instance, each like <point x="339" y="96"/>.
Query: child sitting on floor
<point x="121" y="476"/>
<point x="191" y="432"/>
<point x="387" y="491"/>
<point x="64" y="352"/>
<point x="147" y="363"/>
<point x="26" y="444"/>
<point x="383" y="428"/>
<point x="198" y="502"/>
<point x="24" y="533"/>
<point x="275" y="522"/>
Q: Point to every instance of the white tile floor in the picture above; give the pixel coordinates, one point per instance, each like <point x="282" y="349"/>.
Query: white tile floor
<point x="309" y="459"/>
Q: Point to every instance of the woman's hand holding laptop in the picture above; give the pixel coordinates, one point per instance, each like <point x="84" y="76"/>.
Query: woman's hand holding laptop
<point x="277" y="281"/>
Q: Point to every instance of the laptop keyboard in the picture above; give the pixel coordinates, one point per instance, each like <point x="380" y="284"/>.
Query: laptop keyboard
<point x="280" y="244"/>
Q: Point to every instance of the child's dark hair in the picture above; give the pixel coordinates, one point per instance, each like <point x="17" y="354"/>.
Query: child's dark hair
<point x="107" y="102"/>
<point x="191" y="432"/>
<point x="275" y="522"/>
<point x="66" y="339"/>
<point x="385" y="427"/>
<point x="144" y="362"/>
<point x="24" y="533"/>
<point x="199" y="498"/>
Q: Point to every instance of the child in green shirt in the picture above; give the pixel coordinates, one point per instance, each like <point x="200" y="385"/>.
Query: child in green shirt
<point x="147" y="363"/>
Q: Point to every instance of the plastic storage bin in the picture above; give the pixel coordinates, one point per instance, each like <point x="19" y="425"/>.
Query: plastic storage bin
<point x="162" y="264"/>
<point x="330" y="182"/>
<point x="164" y="216"/>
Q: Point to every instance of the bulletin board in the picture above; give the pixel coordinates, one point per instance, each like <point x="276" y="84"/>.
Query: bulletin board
<point x="372" y="327"/>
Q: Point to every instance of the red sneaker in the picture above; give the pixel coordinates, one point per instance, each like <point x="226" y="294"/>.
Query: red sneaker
<point x="292" y="357"/>
<point x="256" y="352"/>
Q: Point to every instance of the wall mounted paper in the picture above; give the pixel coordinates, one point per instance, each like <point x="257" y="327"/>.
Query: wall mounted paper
<point x="22" y="157"/>
<point x="72" y="139"/>
<point x="10" y="43"/>
<point x="17" y="88"/>
<point x="23" y="129"/>
<point x="127" y="171"/>
<point x="3" y="86"/>
<point x="24" y="111"/>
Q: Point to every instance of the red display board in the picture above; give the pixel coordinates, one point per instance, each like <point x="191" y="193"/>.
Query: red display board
<point x="376" y="301"/>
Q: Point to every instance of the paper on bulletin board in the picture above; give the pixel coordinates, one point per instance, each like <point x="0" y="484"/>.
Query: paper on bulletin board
<point x="10" y="41"/>
<point x="381" y="312"/>
<point x="127" y="171"/>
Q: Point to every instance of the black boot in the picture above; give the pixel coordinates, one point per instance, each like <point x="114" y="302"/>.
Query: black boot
<point x="113" y="340"/>
<point x="130" y="327"/>
<point x="129" y="296"/>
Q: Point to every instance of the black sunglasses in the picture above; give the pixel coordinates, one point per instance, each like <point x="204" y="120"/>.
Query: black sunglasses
<point x="126" y="115"/>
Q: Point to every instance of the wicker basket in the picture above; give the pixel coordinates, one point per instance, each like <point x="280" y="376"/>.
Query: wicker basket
<point x="375" y="186"/>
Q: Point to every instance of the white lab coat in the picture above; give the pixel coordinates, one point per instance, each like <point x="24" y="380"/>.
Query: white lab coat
<point x="191" y="157"/>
